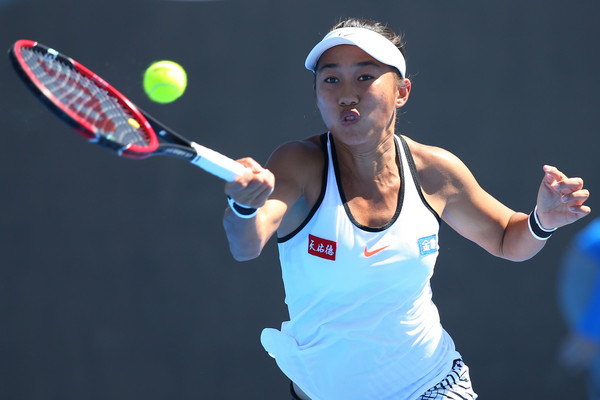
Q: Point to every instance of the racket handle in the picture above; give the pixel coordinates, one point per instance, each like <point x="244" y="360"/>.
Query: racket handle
<point x="216" y="163"/>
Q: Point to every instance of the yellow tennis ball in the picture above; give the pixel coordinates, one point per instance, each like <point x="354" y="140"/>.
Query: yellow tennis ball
<point x="165" y="81"/>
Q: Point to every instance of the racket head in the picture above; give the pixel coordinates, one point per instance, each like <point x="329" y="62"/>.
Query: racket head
<point x="82" y="99"/>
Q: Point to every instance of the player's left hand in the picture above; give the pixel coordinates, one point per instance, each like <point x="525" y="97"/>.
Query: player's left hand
<point x="560" y="199"/>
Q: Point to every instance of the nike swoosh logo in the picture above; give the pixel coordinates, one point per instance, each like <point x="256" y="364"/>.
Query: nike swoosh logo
<point x="372" y="253"/>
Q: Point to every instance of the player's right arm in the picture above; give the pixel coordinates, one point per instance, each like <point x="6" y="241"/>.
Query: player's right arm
<point x="273" y="190"/>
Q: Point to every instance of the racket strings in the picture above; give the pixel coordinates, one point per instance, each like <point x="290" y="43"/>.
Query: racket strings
<point x="83" y="96"/>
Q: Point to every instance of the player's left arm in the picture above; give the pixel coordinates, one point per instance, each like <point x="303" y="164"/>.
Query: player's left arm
<point x="478" y="216"/>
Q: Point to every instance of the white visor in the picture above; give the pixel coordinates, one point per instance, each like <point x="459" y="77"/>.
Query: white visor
<point x="369" y="41"/>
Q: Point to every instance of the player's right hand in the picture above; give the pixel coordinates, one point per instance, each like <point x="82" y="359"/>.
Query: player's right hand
<point x="252" y="188"/>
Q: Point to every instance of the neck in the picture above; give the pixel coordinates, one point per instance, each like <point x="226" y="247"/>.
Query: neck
<point x="368" y="163"/>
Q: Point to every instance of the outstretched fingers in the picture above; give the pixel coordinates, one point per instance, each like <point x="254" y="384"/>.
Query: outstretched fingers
<point x="561" y="198"/>
<point x="561" y="183"/>
<point x="575" y="200"/>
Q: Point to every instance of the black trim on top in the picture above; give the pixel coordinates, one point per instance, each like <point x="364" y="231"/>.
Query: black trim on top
<point x="345" y="201"/>
<point x="313" y="210"/>
<point x="415" y="175"/>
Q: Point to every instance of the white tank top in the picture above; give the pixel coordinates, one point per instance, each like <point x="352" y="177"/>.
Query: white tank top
<point x="362" y="322"/>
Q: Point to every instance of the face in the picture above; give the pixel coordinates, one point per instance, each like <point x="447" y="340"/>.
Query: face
<point x="358" y="95"/>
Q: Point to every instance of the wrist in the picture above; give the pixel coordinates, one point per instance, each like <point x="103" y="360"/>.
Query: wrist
<point x="536" y="228"/>
<point x="241" y="210"/>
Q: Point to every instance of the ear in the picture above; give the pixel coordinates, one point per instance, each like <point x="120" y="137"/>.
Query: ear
<point x="403" y="92"/>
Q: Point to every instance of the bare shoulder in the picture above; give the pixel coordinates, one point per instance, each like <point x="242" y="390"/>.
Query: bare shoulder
<point x="428" y="154"/>
<point x="442" y="174"/>
<point x="434" y="163"/>
<point x="298" y="167"/>
<point x="297" y="151"/>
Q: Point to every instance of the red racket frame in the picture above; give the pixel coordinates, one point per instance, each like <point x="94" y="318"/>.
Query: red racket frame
<point x="82" y="126"/>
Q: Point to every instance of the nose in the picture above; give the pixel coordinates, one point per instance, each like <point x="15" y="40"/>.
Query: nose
<point x="348" y="96"/>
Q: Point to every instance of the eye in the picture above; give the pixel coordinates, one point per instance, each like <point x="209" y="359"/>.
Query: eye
<point x="365" y="77"/>
<point x="331" y="79"/>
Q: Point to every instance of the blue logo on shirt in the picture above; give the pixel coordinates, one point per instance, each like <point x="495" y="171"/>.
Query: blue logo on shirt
<point x="428" y="245"/>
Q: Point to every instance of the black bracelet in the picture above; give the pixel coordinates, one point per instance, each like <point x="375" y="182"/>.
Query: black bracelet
<point x="536" y="228"/>
<point x="241" y="210"/>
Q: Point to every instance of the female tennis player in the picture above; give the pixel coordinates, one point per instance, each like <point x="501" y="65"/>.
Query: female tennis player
<point x="356" y="212"/>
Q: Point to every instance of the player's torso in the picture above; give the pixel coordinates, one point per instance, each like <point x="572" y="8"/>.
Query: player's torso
<point x="372" y="203"/>
<point x="332" y="245"/>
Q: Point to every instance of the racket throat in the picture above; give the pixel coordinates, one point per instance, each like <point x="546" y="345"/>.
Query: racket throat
<point x="216" y="163"/>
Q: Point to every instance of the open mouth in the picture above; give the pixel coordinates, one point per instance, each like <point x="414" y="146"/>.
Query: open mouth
<point x="349" y="117"/>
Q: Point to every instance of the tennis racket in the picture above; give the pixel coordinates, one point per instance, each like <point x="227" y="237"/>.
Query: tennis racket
<point x="102" y="115"/>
